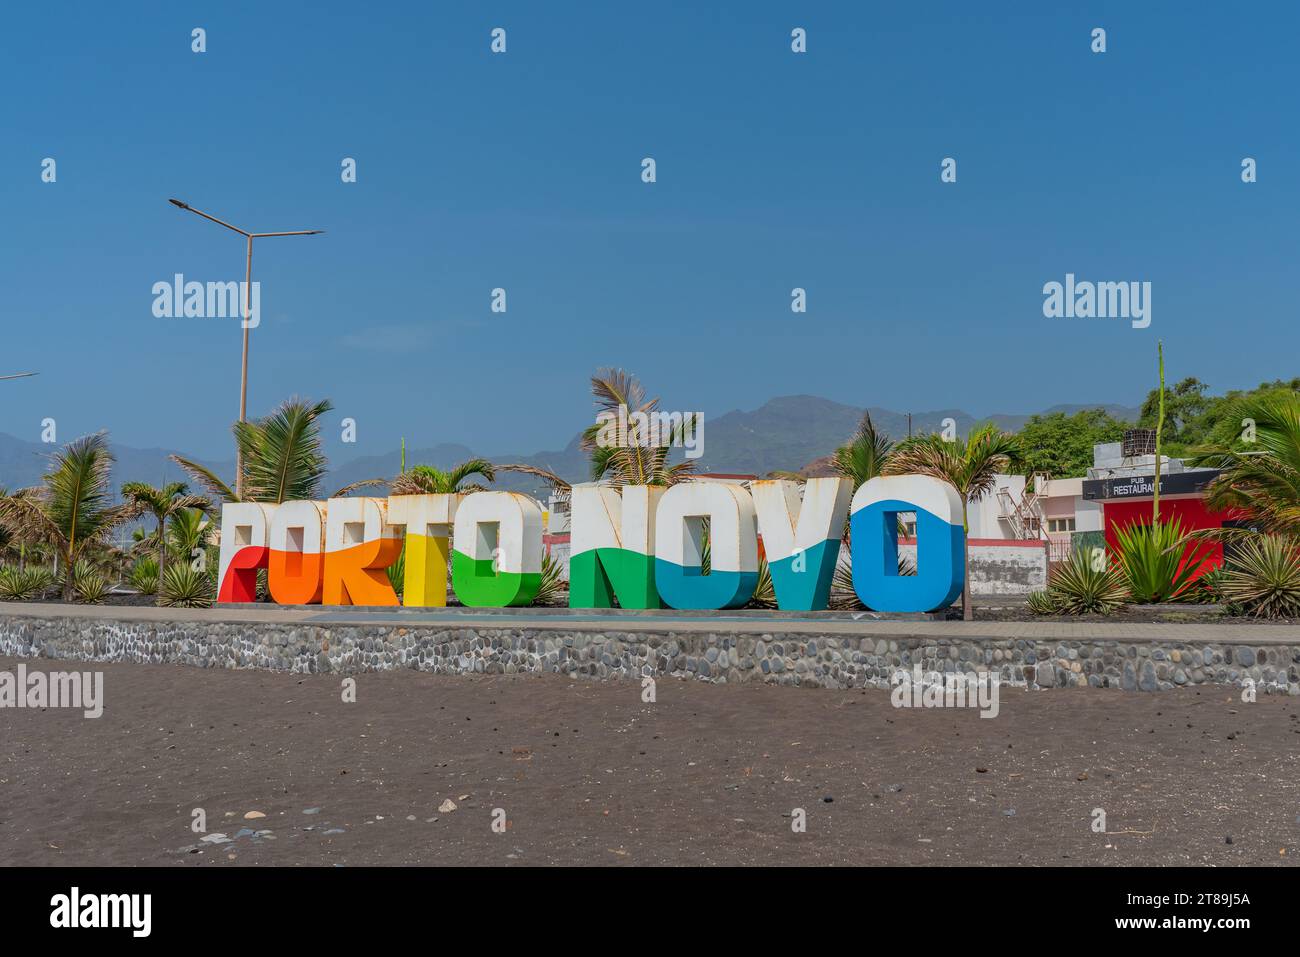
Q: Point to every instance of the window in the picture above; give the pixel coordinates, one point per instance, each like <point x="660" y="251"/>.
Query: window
<point x="1060" y="524"/>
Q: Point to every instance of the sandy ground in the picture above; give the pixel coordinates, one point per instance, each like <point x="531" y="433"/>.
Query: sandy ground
<point x="587" y="773"/>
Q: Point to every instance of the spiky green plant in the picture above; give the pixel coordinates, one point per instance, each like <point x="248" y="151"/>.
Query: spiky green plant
<point x="1158" y="561"/>
<point x="553" y="583"/>
<point x="1082" y="586"/>
<point x="144" y="576"/>
<point x="185" y="587"/>
<point x="1042" y="603"/>
<point x="13" y="584"/>
<point x="1263" y="577"/>
<point x="89" y="584"/>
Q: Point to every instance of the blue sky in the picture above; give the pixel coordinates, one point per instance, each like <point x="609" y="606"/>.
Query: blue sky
<point x="522" y="171"/>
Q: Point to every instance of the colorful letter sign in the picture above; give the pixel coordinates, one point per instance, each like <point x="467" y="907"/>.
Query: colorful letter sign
<point x="802" y="537"/>
<point x="643" y="546"/>
<point x="940" y="543"/>
<point x="612" y="546"/>
<point x="733" y="546"/>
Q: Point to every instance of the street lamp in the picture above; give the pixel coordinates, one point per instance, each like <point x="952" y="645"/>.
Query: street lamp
<point x="248" y="288"/>
<point x="17" y="375"/>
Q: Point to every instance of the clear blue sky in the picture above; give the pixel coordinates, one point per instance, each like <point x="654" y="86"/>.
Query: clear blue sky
<point x="522" y="170"/>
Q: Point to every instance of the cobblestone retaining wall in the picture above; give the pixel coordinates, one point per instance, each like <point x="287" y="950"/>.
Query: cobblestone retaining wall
<point x="831" y="661"/>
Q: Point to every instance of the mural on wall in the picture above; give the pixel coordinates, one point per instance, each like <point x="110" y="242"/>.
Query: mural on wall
<point x="643" y="546"/>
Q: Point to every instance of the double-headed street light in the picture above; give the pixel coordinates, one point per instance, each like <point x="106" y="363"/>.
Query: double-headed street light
<point x="248" y="288"/>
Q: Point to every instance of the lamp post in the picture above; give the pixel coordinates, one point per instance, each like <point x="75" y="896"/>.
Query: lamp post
<point x="17" y="375"/>
<point x="248" y="288"/>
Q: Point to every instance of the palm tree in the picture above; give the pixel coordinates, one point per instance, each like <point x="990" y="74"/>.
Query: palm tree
<point x="626" y="456"/>
<point x="162" y="504"/>
<point x="969" y="465"/>
<point x="282" y="457"/>
<point x="72" y="510"/>
<point x="864" y="455"/>
<point x="1262" y="480"/>
<point x="427" y="480"/>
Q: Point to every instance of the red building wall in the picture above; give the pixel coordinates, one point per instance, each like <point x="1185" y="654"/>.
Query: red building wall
<point x="1192" y="512"/>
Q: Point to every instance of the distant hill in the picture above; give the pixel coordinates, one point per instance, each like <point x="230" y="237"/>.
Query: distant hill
<point x="786" y="433"/>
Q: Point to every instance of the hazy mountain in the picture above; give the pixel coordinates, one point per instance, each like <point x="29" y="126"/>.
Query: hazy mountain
<point x="786" y="433"/>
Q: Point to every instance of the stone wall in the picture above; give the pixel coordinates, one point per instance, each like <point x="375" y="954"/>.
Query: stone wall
<point x="803" y="659"/>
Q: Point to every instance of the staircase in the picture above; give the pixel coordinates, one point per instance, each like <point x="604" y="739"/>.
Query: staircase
<point x="1024" y="516"/>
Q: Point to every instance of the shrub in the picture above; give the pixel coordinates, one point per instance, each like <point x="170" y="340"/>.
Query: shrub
<point x="1157" y="563"/>
<point x="40" y="580"/>
<point x="144" y="577"/>
<point x="89" y="584"/>
<point x="1263" y="578"/>
<point x="553" y="583"/>
<point x="183" y="587"/>
<point x="1081" y="586"/>
<point x="14" y="585"/>
<point x="1043" y="603"/>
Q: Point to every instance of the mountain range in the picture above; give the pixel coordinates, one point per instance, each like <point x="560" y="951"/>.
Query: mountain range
<point x="786" y="433"/>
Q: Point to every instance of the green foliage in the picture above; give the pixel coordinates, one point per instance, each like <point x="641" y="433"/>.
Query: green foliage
<point x="864" y="455"/>
<point x="1159" y="562"/>
<point x="1042" y="603"/>
<point x="72" y="510"/>
<point x="1263" y="577"/>
<point x="1081" y="586"/>
<point x="1061" y="445"/>
<point x="183" y="587"/>
<point x="1194" y="419"/>
<point x="144" y="576"/>
<point x="397" y="572"/>
<point x="553" y="584"/>
<point x="282" y="456"/>
<point x="13" y="585"/>
<point x="89" y="585"/>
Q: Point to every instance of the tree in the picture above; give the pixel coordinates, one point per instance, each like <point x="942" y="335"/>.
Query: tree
<point x="970" y="465"/>
<point x="427" y="480"/>
<point x="1185" y="408"/>
<point x="621" y="447"/>
<point x="1261" y="477"/>
<point x="162" y="504"/>
<point x="864" y="455"/>
<point x="282" y="457"/>
<point x="1061" y="445"/>
<point x="72" y="510"/>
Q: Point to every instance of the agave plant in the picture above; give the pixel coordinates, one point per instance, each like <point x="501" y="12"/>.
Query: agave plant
<point x="144" y="576"/>
<point x="969" y="465"/>
<point x="553" y="583"/>
<point x="1042" y="603"/>
<point x="1081" y="586"/>
<point x="72" y="511"/>
<point x="1158" y="561"/>
<point x="185" y="587"/>
<point x="1263" y="577"/>
<point x="87" y="583"/>
<point x="13" y="584"/>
